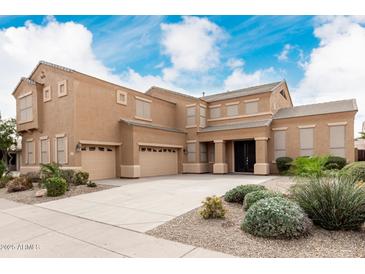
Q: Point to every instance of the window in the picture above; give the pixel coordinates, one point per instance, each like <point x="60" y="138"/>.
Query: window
<point x="232" y="110"/>
<point x="26" y="108"/>
<point x="279" y="143"/>
<point x="203" y="153"/>
<point x="215" y="112"/>
<point x="190" y="116"/>
<point x="44" y="151"/>
<point x="191" y="152"/>
<point x="337" y="140"/>
<point x="282" y="92"/>
<point x="62" y="88"/>
<point x="30" y="157"/>
<point x="61" y="150"/>
<point x="211" y="153"/>
<point x="47" y="96"/>
<point x="306" y="136"/>
<point x="121" y="97"/>
<point x="143" y="109"/>
<point x="251" y="107"/>
<point x="203" y="114"/>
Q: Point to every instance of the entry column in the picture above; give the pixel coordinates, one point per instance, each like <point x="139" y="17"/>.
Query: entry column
<point x="261" y="166"/>
<point x="220" y="166"/>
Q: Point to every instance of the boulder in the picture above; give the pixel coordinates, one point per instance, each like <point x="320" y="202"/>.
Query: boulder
<point x="41" y="193"/>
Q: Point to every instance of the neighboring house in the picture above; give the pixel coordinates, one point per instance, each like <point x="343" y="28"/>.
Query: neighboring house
<point x="360" y="146"/>
<point x="82" y="122"/>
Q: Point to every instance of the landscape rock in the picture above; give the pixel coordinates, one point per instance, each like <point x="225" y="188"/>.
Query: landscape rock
<point x="41" y="193"/>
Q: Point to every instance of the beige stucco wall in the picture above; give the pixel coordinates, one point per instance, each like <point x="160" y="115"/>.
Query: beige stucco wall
<point x="321" y="134"/>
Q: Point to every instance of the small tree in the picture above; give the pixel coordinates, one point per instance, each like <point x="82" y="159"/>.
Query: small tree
<point x="362" y="135"/>
<point x="8" y="136"/>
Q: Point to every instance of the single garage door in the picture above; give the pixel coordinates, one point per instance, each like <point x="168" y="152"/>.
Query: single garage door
<point x="99" y="161"/>
<point x="156" y="161"/>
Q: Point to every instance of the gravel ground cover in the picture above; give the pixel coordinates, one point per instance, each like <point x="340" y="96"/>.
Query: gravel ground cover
<point x="226" y="236"/>
<point x="28" y="196"/>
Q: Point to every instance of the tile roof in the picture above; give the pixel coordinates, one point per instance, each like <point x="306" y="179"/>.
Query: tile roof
<point x="240" y="125"/>
<point x="315" y="109"/>
<point x="170" y="91"/>
<point x="150" y="125"/>
<point x="241" y="92"/>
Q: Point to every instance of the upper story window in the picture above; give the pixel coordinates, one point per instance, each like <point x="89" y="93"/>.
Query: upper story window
<point x="143" y="108"/>
<point x="214" y="112"/>
<point x="306" y="135"/>
<point x="337" y="140"/>
<point x="203" y="114"/>
<point x="190" y="115"/>
<point x="62" y="88"/>
<point x="232" y="109"/>
<point x="279" y="143"/>
<point x="252" y="106"/>
<point x="47" y="94"/>
<point x="121" y="97"/>
<point x="26" y="108"/>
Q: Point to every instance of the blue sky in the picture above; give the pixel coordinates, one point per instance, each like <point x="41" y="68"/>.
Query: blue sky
<point x="322" y="58"/>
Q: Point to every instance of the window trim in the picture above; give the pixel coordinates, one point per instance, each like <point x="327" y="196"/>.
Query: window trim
<point x="124" y="102"/>
<point x="49" y="89"/>
<point x="44" y="138"/>
<point x="59" y="84"/>
<point x="29" y="141"/>
<point x="58" y="136"/>
<point x="22" y="97"/>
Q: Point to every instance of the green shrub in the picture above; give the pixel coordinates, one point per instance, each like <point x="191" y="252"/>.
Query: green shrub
<point x="81" y="178"/>
<point x="308" y="166"/>
<point x="276" y="218"/>
<point x="255" y="196"/>
<point x="56" y="186"/>
<point x="68" y="175"/>
<point x="34" y="177"/>
<point x="91" y="184"/>
<point x="50" y="170"/>
<point x="5" y="180"/>
<point x="237" y="194"/>
<point x="332" y="202"/>
<point x="355" y="169"/>
<point x="19" y="184"/>
<point x="335" y="162"/>
<point x="212" y="208"/>
<point x="283" y="164"/>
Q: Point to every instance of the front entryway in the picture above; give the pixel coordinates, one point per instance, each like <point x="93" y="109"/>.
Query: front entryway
<point x="244" y="156"/>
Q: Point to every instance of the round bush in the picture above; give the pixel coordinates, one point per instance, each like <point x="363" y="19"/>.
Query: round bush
<point x="255" y="196"/>
<point x="81" y="178"/>
<point x="283" y="164"/>
<point x="355" y="169"/>
<point x="56" y="186"/>
<point x="335" y="162"/>
<point x="237" y="194"/>
<point x="333" y="202"/>
<point x="276" y="218"/>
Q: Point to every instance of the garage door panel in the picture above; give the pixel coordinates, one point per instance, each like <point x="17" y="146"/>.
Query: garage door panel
<point x="158" y="161"/>
<point x="99" y="162"/>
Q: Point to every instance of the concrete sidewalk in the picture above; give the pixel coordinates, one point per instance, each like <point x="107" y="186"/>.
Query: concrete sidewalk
<point x="32" y="231"/>
<point x="149" y="202"/>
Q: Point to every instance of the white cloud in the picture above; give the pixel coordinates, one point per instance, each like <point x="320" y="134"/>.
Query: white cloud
<point x="192" y="46"/>
<point x="235" y="63"/>
<point x="336" y="67"/>
<point x="68" y="44"/>
<point x="239" y="78"/>
<point x="283" y="56"/>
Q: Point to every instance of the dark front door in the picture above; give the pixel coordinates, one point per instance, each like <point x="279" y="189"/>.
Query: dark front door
<point x="244" y="156"/>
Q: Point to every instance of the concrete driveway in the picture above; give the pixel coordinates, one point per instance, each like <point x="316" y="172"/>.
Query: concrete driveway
<point x="143" y="204"/>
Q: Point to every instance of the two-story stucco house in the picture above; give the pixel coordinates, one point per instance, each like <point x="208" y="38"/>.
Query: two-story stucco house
<point x="82" y="122"/>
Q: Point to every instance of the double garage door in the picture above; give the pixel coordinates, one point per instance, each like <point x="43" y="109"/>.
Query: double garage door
<point x="156" y="161"/>
<point x="99" y="161"/>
